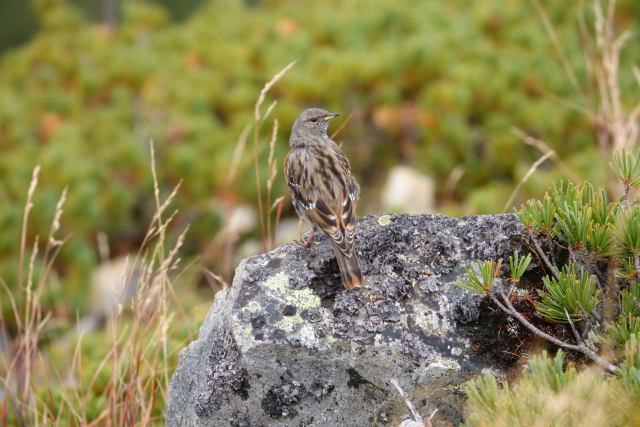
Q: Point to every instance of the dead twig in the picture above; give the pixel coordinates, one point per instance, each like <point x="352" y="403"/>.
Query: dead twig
<point x="542" y="146"/>
<point x="510" y="310"/>
<point x="417" y="418"/>
<point x="257" y="148"/>
<point x="526" y="177"/>
<point x="213" y="279"/>
<point x="542" y="255"/>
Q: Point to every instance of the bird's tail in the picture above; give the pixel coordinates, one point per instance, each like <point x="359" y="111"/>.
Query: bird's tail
<point x="350" y="269"/>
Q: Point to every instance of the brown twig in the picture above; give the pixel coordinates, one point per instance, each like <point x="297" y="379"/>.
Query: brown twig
<point x="541" y="146"/>
<point x="626" y="187"/>
<point x="416" y="415"/>
<point x="341" y="127"/>
<point x="572" y="256"/>
<point x="546" y="22"/>
<point x="542" y="255"/>
<point x="587" y="351"/>
<point x="271" y="166"/>
<point x="611" y="293"/>
<point x="277" y="204"/>
<point x="510" y="309"/>
<point x="212" y="278"/>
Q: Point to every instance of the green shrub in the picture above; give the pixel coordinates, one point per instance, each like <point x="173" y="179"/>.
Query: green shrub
<point x="437" y="83"/>
<point x="587" y="291"/>
<point x="548" y="394"/>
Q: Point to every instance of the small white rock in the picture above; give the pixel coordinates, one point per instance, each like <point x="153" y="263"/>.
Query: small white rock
<point x="408" y="191"/>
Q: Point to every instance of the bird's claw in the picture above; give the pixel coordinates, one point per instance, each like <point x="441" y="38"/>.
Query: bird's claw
<point x="307" y="242"/>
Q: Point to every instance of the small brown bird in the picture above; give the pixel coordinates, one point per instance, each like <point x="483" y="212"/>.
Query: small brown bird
<point x="323" y="190"/>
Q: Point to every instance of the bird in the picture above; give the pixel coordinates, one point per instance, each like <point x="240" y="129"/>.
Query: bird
<point x="323" y="190"/>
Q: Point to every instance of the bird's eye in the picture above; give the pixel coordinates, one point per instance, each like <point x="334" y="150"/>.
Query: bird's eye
<point x="315" y="119"/>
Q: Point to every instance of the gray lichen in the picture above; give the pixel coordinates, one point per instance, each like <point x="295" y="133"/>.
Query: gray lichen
<point x="288" y="343"/>
<point x="224" y="375"/>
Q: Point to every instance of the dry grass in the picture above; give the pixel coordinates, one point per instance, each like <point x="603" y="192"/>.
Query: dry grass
<point x="265" y="207"/>
<point x="128" y="381"/>
<point x="224" y="245"/>
<point x="133" y="375"/>
<point x="616" y="126"/>
<point x="526" y="177"/>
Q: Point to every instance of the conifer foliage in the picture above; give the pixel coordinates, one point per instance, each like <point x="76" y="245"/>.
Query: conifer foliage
<point x="589" y="249"/>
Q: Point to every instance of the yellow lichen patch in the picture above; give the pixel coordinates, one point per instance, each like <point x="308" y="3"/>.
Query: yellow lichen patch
<point x="278" y="282"/>
<point x="287" y="322"/>
<point x="384" y="220"/>
<point x="449" y="364"/>
<point x="252" y="307"/>
<point x="278" y="286"/>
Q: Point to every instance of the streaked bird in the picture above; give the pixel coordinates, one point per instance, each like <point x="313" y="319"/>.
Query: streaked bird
<point x="322" y="189"/>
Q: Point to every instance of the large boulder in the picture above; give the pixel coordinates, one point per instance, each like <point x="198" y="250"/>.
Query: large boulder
<point x="287" y="345"/>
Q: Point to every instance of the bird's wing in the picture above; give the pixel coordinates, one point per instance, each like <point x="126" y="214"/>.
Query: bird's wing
<point x="322" y="187"/>
<point x="338" y="222"/>
<point x="352" y="186"/>
<point x="294" y="173"/>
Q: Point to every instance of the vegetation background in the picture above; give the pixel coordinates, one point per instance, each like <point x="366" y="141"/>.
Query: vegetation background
<point x="464" y="92"/>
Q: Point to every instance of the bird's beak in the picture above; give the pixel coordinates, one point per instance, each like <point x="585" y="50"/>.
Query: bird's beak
<point x="331" y="116"/>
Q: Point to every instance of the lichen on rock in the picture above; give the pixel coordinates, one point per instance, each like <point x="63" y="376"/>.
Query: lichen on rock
<point x="278" y="286"/>
<point x="224" y="374"/>
<point x="288" y="345"/>
<point x="384" y="220"/>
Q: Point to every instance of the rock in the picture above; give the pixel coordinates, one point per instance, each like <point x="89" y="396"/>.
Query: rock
<point x="286" y="345"/>
<point x="408" y="191"/>
<point x="290" y="229"/>
<point x="241" y="220"/>
<point x="113" y="283"/>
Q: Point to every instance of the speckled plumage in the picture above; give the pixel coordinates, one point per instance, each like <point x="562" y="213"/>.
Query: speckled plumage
<point x="322" y="189"/>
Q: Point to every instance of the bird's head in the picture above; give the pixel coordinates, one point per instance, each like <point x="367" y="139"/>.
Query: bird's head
<point x="312" y="121"/>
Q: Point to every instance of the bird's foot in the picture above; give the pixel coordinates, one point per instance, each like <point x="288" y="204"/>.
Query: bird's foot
<point x="307" y="243"/>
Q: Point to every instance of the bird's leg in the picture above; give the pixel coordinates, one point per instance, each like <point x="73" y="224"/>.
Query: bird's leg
<point x="307" y="242"/>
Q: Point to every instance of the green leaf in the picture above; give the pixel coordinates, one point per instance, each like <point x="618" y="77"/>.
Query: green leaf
<point x="626" y="167"/>
<point x="621" y="331"/>
<point x="538" y="214"/>
<point x="518" y="265"/>
<point x="571" y="292"/>
<point x="603" y="212"/>
<point x="600" y="239"/>
<point x="630" y="300"/>
<point x="627" y="229"/>
<point x="543" y="368"/>
<point x="573" y="224"/>
<point x="482" y="284"/>
<point x="482" y="393"/>
<point x="629" y="372"/>
<point x="628" y="269"/>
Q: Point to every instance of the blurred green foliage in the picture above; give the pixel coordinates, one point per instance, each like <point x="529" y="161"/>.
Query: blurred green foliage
<point x="433" y="84"/>
<point x="552" y="392"/>
<point x="17" y="24"/>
